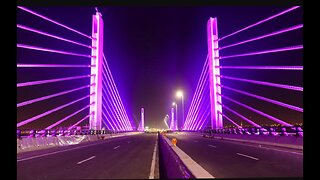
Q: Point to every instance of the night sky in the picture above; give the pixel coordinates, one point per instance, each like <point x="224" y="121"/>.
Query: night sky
<point x="155" y="51"/>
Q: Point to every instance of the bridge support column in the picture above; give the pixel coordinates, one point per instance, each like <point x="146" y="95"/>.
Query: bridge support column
<point x="213" y="54"/>
<point x="96" y="72"/>
<point x="142" y="119"/>
<point x="173" y="124"/>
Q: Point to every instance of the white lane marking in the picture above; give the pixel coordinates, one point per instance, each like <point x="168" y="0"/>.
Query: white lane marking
<point x="86" y="160"/>
<point x="248" y="156"/>
<point x="298" y="153"/>
<point x="153" y="163"/>
<point x="116" y="147"/>
<point x="41" y="155"/>
<point x="212" y="146"/>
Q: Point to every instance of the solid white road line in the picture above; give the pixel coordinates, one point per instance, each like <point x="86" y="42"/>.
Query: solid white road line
<point x="153" y="163"/>
<point x="212" y="146"/>
<point x="298" y="153"/>
<point x="86" y="159"/>
<point x="116" y="147"/>
<point x="248" y="156"/>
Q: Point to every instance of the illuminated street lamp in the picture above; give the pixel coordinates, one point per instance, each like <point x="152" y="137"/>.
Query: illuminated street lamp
<point x="179" y="94"/>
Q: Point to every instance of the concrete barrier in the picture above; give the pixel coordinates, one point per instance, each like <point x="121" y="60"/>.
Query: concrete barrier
<point x="176" y="164"/>
<point x="170" y="166"/>
<point x="32" y="144"/>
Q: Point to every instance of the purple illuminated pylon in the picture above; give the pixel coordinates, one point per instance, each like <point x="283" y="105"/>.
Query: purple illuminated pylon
<point x="96" y="63"/>
<point x="142" y="120"/>
<point x="172" y="122"/>
<point x="213" y="53"/>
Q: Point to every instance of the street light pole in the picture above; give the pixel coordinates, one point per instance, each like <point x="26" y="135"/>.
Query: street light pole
<point x="180" y="94"/>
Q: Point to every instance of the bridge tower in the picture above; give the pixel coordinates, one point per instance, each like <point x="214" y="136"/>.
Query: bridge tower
<point x="213" y="54"/>
<point x="142" y="119"/>
<point x="96" y="72"/>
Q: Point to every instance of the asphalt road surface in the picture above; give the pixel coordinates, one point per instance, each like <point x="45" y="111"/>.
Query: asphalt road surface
<point x="127" y="157"/>
<point x="227" y="159"/>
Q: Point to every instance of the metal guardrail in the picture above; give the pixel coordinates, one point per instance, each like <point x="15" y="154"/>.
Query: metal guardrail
<point x="267" y="130"/>
<point x="54" y="133"/>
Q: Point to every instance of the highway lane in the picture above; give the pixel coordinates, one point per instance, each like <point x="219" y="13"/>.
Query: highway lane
<point x="227" y="159"/>
<point x="127" y="157"/>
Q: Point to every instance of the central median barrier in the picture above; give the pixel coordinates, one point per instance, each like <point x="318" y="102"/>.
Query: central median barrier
<point x="176" y="164"/>
<point x="37" y="143"/>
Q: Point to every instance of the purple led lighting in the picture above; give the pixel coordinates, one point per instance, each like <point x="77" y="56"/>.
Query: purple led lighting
<point x="51" y="96"/>
<point x="296" y="88"/>
<point x="114" y="100"/>
<point x="50" y="80"/>
<point x="244" y="118"/>
<point x="105" y="124"/>
<point x="263" y="52"/>
<point x="95" y="121"/>
<point x="114" y="110"/>
<point x="67" y="117"/>
<point x="117" y="93"/>
<point x="201" y="101"/>
<point x="50" y="35"/>
<point x="202" y="118"/>
<point x="198" y="95"/>
<point x="51" y="50"/>
<point x="50" y="111"/>
<point x="259" y="112"/>
<point x="55" y="22"/>
<point x="265" y="99"/>
<point x="264" y="36"/>
<point x="200" y="106"/>
<point x="229" y="119"/>
<point x="114" y="103"/>
<point x="260" y="22"/>
<point x="52" y="65"/>
<point x="199" y="88"/>
<point x="142" y="119"/>
<point x="113" y="125"/>
<point x="194" y="113"/>
<point x="212" y="36"/>
<point x="78" y="122"/>
<point x="195" y="94"/>
<point x="106" y="107"/>
<point x="113" y="122"/>
<point x="263" y="67"/>
<point x="172" y="125"/>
